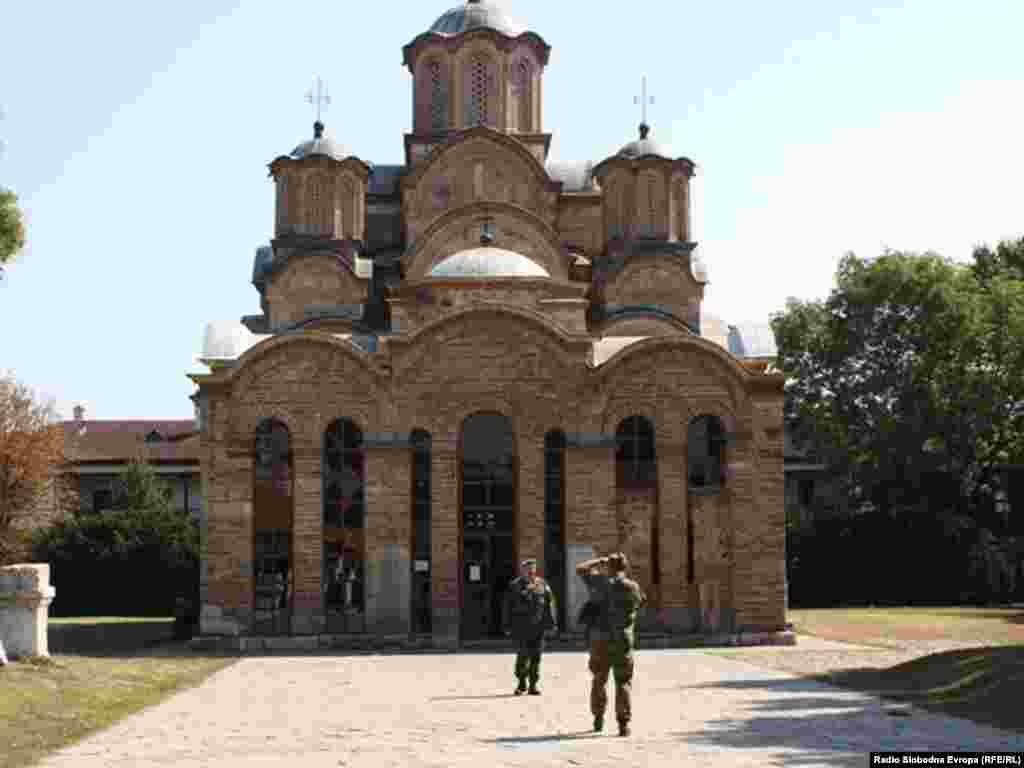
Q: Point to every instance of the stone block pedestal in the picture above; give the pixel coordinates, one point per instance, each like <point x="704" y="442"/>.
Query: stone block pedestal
<point x="25" y="597"/>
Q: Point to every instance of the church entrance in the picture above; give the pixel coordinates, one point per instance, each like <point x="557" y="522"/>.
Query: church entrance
<point x="488" y="494"/>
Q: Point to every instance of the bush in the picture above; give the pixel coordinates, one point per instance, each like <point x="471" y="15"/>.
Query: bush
<point x="132" y="562"/>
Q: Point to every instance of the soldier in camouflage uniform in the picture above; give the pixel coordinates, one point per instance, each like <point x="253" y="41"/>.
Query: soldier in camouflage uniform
<point x="529" y="613"/>
<point x="612" y="637"/>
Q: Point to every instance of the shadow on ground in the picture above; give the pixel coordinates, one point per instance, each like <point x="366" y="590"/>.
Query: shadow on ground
<point x="815" y="723"/>
<point x="511" y="741"/>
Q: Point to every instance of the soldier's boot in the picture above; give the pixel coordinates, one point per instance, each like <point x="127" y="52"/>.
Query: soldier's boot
<point x="623" y="728"/>
<point x="599" y="723"/>
<point x="521" y="688"/>
<point x="534" y="690"/>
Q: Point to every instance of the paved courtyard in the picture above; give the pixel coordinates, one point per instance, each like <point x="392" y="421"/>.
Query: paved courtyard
<point x="690" y="708"/>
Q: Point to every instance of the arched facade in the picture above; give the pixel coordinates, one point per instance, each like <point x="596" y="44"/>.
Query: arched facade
<point x="475" y="357"/>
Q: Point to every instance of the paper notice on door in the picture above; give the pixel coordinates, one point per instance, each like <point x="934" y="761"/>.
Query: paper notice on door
<point x="474" y="573"/>
<point x="422" y="566"/>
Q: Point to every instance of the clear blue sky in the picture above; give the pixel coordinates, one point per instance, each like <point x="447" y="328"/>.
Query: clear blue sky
<point x="138" y="136"/>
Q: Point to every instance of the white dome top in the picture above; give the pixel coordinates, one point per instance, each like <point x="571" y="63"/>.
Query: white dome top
<point x="488" y="261"/>
<point x="477" y="14"/>
<point x="227" y="340"/>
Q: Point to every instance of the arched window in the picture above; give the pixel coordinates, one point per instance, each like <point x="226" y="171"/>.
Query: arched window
<point x="554" y="517"/>
<point x="438" y="97"/>
<point x="319" y="214"/>
<point x="421" y="601"/>
<point x="634" y="453"/>
<point x="272" y="528"/>
<point x="343" y="475"/>
<point x="705" y="444"/>
<point x="522" y="91"/>
<point x="478" y="104"/>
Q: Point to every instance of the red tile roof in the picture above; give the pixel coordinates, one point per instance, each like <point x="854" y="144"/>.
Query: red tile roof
<point x="123" y="440"/>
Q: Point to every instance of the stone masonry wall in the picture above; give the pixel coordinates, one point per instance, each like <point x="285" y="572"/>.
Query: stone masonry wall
<point x="497" y="361"/>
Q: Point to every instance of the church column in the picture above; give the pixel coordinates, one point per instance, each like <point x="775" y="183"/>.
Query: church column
<point x="759" y="533"/>
<point x="227" y="541"/>
<point x="672" y="550"/>
<point x="591" y="528"/>
<point x="530" y="496"/>
<point x="307" y="538"/>
<point x="388" y="533"/>
<point x="444" y="541"/>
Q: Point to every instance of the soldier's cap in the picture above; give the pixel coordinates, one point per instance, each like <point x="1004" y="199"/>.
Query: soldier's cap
<point x="528" y="562"/>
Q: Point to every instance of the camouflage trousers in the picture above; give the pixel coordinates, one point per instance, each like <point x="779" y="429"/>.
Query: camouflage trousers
<point x="528" y="658"/>
<point x="615" y="656"/>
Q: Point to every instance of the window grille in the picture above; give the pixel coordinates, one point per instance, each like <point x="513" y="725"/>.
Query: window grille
<point x="479" y="107"/>
<point x="438" y="98"/>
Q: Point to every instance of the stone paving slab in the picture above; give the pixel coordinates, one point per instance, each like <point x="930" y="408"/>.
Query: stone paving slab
<point x="456" y="710"/>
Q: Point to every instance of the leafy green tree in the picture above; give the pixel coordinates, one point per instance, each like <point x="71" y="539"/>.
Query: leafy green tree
<point x="12" y="227"/>
<point x="910" y="377"/>
<point x="136" y="559"/>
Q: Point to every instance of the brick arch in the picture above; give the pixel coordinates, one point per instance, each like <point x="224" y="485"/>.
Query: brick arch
<point x="639" y="323"/>
<point x="447" y="154"/>
<point x="705" y="352"/>
<point x="317" y="394"/>
<point x="415" y="344"/>
<point x="310" y="278"/>
<point x="248" y="366"/>
<point x="631" y="280"/>
<point x="446" y="236"/>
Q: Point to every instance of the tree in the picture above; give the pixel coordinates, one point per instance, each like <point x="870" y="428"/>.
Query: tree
<point x="31" y="450"/>
<point x="137" y="559"/>
<point x="12" y="228"/>
<point x="910" y="374"/>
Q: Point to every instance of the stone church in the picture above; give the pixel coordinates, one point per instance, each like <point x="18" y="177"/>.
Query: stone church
<point x="475" y="357"/>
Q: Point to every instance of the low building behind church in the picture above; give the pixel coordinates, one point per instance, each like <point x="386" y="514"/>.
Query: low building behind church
<point x="481" y="355"/>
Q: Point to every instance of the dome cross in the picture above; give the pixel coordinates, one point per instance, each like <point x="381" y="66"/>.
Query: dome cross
<point x="643" y="100"/>
<point x="320" y="99"/>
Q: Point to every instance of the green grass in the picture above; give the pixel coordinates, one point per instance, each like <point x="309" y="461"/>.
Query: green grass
<point x="983" y="683"/>
<point x="892" y="627"/>
<point x="109" y="668"/>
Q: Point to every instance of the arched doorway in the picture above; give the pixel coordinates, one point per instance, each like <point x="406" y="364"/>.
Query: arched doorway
<point x="488" y="496"/>
<point x="273" y="510"/>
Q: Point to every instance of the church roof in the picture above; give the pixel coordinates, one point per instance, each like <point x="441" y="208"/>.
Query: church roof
<point x="384" y="179"/>
<point x="477" y="14"/>
<point x="603" y="349"/>
<point x="488" y="261"/>
<point x="322" y="143"/>
<point x="261" y="263"/>
<point x="745" y="340"/>
<point x="225" y="341"/>
<point x="752" y="340"/>
<point x="575" y="176"/>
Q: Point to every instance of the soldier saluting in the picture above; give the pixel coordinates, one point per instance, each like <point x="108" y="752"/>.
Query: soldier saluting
<point x="612" y="636"/>
<point x="529" y="612"/>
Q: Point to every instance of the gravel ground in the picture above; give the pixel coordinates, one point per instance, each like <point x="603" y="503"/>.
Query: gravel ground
<point x="457" y="710"/>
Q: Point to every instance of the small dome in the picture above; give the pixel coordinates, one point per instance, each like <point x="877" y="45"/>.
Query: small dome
<point x="488" y="261"/>
<point x="477" y="14"/>
<point x="575" y="177"/>
<point x="321" y="144"/>
<point x="226" y="340"/>
<point x="642" y="146"/>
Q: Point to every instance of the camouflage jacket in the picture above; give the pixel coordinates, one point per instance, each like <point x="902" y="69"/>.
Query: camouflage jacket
<point x="529" y="606"/>
<point x="618" y="600"/>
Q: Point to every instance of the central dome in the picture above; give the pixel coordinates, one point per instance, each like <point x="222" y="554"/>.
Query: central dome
<point x="488" y="261"/>
<point x="477" y="14"/>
